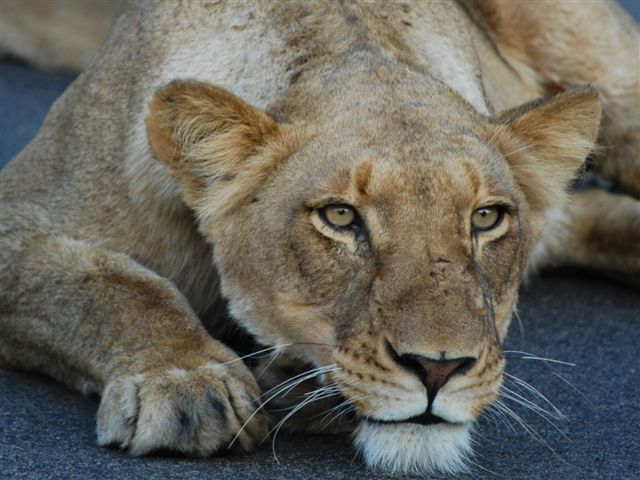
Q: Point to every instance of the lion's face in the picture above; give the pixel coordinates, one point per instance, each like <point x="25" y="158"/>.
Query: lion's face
<point x="388" y="249"/>
<point x="414" y="297"/>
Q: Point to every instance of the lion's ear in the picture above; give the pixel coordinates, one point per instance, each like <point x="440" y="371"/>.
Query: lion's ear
<point x="547" y="141"/>
<point x="204" y="133"/>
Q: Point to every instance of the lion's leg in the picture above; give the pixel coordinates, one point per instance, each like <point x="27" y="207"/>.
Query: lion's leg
<point x="556" y="45"/>
<point x="602" y="233"/>
<point x="99" y="321"/>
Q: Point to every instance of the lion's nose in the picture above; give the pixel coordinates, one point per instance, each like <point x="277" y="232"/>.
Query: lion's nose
<point x="433" y="373"/>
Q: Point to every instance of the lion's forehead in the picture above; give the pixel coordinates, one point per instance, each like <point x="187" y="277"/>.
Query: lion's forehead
<point x="426" y="183"/>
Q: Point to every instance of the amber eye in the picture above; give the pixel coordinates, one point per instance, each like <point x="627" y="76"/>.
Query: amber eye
<point x="487" y="218"/>
<point x="339" y="216"/>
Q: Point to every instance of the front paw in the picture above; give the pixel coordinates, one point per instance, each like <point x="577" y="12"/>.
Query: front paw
<point x="195" y="411"/>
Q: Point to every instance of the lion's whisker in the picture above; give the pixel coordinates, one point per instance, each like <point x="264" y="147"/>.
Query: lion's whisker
<point x="320" y="390"/>
<point x="538" y="412"/>
<point x="313" y="372"/>
<point x="471" y="460"/>
<point x="496" y="418"/>
<point x="348" y="409"/>
<point x="329" y="411"/>
<point x="527" y="428"/>
<point x="554" y="372"/>
<point x="285" y="387"/>
<point x="536" y="392"/>
<point x="324" y="388"/>
<point x="257" y="354"/>
<point x="339" y="410"/>
<point x="275" y="430"/>
<point x="555" y="414"/>
<point x="531" y="356"/>
<point x="516" y="314"/>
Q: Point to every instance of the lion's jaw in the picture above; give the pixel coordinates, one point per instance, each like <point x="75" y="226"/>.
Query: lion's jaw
<point x="400" y="429"/>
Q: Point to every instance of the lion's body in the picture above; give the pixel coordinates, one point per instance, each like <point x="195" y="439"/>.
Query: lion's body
<point x="104" y="267"/>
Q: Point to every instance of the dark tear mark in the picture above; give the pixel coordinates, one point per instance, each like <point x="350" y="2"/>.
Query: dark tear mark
<point x="490" y="317"/>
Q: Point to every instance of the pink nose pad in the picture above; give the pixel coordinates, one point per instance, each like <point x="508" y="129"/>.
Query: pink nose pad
<point x="433" y="374"/>
<point x="438" y="372"/>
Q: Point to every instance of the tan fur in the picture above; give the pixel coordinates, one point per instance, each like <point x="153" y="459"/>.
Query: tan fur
<point x="171" y="175"/>
<point x="540" y="143"/>
<point x="610" y="62"/>
<point x="56" y="34"/>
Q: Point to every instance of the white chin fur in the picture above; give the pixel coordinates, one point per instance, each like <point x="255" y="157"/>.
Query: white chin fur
<point x="413" y="448"/>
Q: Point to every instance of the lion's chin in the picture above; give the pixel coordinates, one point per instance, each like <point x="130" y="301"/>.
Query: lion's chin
<point x="414" y="448"/>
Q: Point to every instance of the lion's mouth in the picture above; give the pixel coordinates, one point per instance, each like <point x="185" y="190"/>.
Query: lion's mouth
<point x="426" y="418"/>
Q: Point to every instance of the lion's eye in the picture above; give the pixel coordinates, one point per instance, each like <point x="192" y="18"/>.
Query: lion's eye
<point x="487" y="218"/>
<point x="339" y="216"/>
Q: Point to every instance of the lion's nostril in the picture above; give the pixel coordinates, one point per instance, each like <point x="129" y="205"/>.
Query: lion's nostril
<point x="433" y="373"/>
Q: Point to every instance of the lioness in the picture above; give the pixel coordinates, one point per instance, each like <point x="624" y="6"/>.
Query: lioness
<point x="364" y="183"/>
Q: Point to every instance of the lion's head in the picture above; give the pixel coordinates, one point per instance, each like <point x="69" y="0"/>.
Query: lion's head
<point x="381" y="227"/>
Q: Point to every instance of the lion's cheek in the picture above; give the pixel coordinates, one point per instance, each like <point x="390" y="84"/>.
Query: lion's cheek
<point x="278" y="321"/>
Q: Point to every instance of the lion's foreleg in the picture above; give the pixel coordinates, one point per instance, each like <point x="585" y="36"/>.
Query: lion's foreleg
<point x="99" y="321"/>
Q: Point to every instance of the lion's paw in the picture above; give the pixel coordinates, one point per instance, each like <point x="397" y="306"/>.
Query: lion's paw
<point x="197" y="411"/>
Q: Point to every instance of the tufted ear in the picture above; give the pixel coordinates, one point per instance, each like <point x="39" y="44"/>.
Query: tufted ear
<point x="204" y="133"/>
<point x="547" y="141"/>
